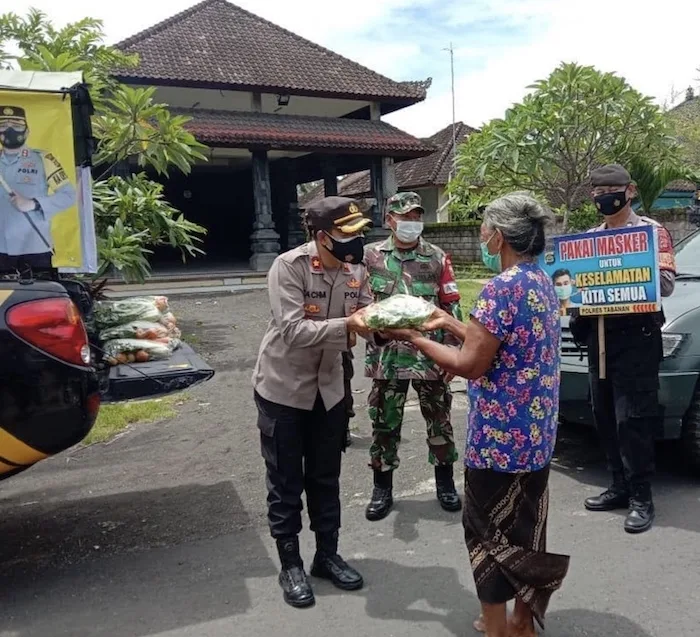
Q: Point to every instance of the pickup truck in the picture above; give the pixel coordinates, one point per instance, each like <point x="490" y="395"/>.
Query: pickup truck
<point x="52" y="375"/>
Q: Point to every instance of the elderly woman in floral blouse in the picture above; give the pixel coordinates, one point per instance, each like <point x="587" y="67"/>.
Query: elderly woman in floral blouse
<point x="510" y="355"/>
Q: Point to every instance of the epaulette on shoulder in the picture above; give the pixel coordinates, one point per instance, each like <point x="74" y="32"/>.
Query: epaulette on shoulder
<point x="295" y="254"/>
<point x="651" y="222"/>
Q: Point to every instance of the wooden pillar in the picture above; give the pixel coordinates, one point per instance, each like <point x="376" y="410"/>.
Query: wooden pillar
<point x="264" y="240"/>
<point x="330" y="177"/>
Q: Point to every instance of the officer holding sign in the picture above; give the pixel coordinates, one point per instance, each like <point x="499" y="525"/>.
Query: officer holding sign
<point x="315" y="291"/>
<point x="33" y="188"/>
<point x="625" y="401"/>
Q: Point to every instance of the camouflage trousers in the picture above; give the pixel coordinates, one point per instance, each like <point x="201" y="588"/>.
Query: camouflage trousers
<point x="386" y="405"/>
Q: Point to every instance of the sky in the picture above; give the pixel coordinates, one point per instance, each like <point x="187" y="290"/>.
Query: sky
<point x="500" y="46"/>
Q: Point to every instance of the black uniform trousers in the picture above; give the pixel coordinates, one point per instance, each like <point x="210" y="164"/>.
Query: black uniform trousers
<point x="626" y="404"/>
<point x="348" y="373"/>
<point x="302" y="452"/>
<point x="25" y="262"/>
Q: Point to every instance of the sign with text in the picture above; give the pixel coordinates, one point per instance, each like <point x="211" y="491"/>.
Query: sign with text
<point x="605" y="272"/>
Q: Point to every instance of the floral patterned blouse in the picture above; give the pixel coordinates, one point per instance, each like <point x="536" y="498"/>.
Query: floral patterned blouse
<point x="512" y="422"/>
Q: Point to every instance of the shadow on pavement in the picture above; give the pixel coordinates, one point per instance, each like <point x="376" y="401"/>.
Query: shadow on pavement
<point x="578" y="622"/>
<point x="93" y="562"/>
<point x="414" y="595"/>
<point x="410" y="512"/>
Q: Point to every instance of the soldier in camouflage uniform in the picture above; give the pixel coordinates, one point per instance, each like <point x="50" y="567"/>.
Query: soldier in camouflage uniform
<point x="407" y="264"/>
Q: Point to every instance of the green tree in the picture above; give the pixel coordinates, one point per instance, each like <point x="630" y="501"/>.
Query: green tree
<point x="685" y="120"/>
<point x="651" y="179"/>
<point x="131" y="214"/>
<point x="571" y="122"/>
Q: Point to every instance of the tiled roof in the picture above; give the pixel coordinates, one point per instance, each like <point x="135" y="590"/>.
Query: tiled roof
<point x="216" y="43"/>
<point x="682" y="186"/>
<point x="431" y="170"/>
<point x="301" y="133"/>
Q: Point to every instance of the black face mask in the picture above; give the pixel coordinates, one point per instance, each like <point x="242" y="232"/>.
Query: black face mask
<point x="12" y="138"/>
<point x="611" y="203"/>
<point x="348" y="251"/>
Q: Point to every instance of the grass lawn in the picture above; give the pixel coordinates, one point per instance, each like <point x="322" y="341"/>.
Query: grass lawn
<point x="468" y="290"/>
<point x="115" y="418"/>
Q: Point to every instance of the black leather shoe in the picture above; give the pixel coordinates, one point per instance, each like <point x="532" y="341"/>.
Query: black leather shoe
<point x="337" y="570"/>
<point x="616" y="497"/>
<point x="446" y="490"/>
<point x="382" y="496"/>
<point x="640" y="517"/>
<point x="296" y="589"/>
<point x="641" y="509"/>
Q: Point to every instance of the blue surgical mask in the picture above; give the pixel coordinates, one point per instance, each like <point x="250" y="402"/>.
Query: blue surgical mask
<point x="491" y="261"/>
<point x="563" y="291"/>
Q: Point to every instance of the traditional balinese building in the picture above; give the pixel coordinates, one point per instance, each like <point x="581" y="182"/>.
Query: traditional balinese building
<point x="275" y="110"/>
<point x="428" y="176"/>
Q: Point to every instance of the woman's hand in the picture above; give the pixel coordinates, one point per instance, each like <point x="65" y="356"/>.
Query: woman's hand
<point x="398" y="334"/>
<point x="437" y="321"/>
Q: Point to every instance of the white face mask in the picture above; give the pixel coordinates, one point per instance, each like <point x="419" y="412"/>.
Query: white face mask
<point x="408" y="231"/>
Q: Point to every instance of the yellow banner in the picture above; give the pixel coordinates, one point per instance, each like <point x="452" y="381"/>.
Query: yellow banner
<point x="38" y="186"/>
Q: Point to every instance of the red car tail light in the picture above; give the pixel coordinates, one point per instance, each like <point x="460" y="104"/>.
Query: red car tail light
<point x="53" y="326"/>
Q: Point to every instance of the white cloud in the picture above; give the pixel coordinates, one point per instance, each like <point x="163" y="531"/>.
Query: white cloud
<point x="501" y="45"/>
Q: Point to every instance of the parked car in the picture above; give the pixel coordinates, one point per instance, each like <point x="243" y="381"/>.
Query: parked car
<point x="52" y="377"/>
<point x="680" y="369"/>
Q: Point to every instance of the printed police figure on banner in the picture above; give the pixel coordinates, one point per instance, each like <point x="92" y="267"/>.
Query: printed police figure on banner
<point x="407" y="264"/>
<point x="315" y="291"/>
<point x="33" y="188"/>
<point x="625" y="397"/>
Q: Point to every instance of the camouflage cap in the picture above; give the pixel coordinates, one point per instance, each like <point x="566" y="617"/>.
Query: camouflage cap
<point x="403" y="202"/>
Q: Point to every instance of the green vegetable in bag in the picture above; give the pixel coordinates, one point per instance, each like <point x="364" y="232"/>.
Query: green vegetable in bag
<point x="121" y="311"/>
<point x="398" y="311"/>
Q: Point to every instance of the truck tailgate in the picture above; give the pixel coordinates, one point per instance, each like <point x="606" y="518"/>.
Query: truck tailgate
<point x="156" y="378"/>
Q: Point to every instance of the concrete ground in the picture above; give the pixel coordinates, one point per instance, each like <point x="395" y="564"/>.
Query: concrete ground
<point x="163" y="532"/>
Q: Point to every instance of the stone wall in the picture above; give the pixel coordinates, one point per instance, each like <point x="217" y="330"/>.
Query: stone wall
<point x="461" y="240"/>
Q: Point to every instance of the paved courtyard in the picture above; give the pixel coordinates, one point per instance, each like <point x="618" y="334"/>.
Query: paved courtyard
<point x="162" y="531"/>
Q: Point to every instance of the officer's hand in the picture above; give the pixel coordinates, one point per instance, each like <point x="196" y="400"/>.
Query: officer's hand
<point x="22" y="203"/>
<point x="356" y="323"/>
<point x="352" y="340"/>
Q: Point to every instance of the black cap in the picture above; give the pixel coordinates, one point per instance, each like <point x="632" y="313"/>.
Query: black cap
<point x="12" y="112"/>
<point x="610" y="175"/>
<point x="336" y="212"/>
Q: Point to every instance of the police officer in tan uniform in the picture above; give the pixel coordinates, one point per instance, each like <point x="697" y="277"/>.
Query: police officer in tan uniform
<point x="314" y="292"/>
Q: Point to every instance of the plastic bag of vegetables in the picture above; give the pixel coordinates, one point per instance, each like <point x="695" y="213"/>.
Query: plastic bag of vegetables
<point x="136" y="329"/>
<point x="398" y="311"/>
<point x="121" y="311"/>
<point x="133" y="350"/>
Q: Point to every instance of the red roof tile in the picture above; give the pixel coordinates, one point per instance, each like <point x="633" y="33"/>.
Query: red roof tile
<point x="302" y="133"/>
<point x="216" y="43"/>
<point x="430" y="170"/>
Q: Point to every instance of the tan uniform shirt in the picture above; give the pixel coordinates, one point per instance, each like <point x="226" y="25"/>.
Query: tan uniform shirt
<point x="300" y="354"/>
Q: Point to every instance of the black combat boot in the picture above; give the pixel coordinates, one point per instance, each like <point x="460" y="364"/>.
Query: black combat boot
<point x="382" y="496"/>
<point x="329" y="565"/>
<point x="616" y="497"/>
<point x="446" y="491"/>
<point x="296" y="588"/>
<point x="641" y="509"/>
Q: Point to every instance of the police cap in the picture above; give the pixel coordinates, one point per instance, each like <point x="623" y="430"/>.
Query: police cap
<point x="610" y="175"/>
<point x="12" y="112"/>
<point x="336" y="212"/>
